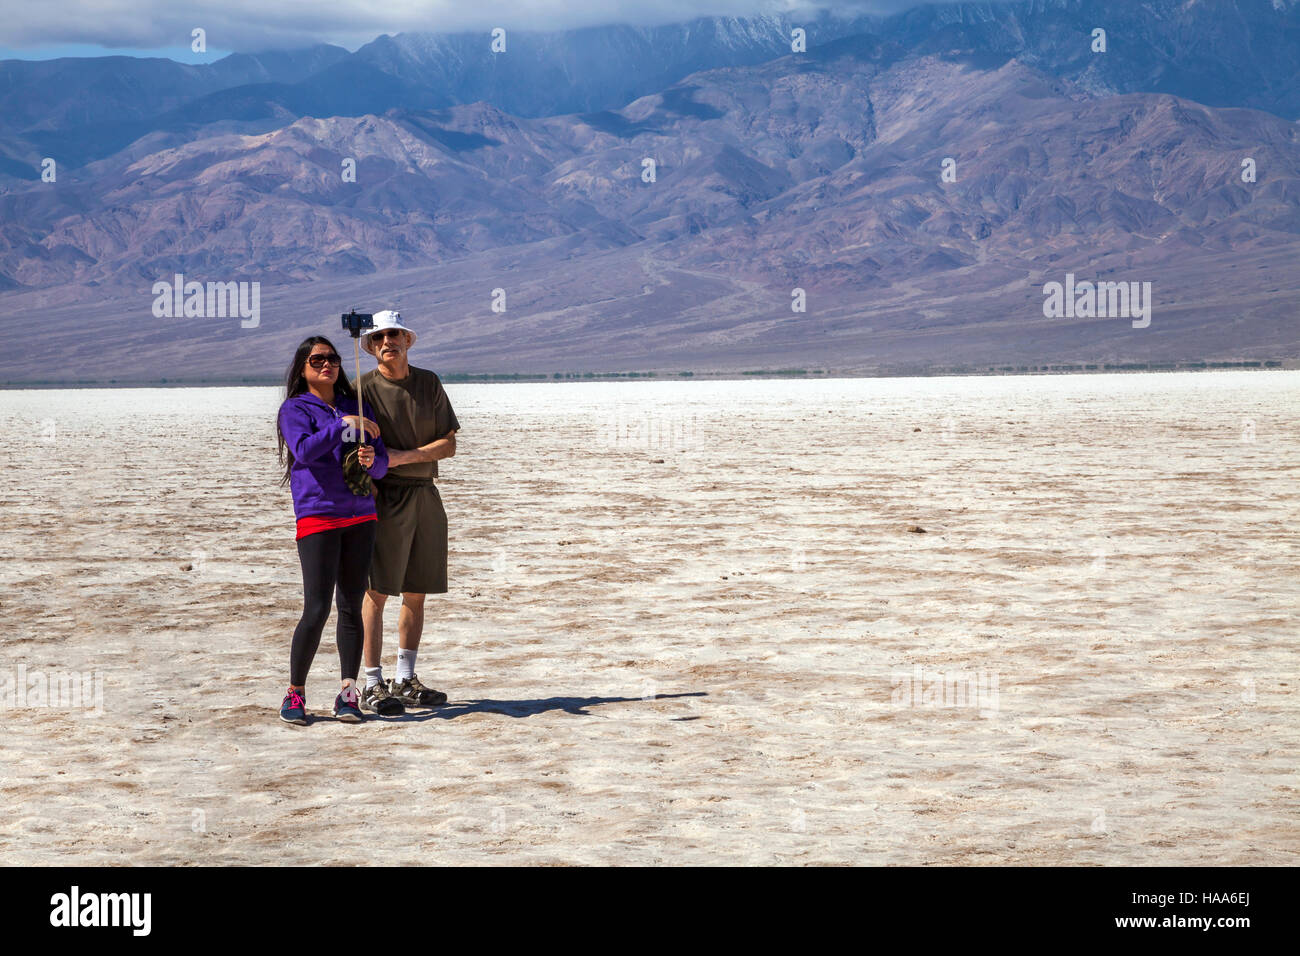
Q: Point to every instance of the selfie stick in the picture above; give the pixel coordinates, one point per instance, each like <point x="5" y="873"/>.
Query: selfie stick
<point x="355" y="322"/>
<point x="361" y="399"/>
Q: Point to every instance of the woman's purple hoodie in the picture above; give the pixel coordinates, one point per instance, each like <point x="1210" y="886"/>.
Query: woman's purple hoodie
<point x="313" y="432"/>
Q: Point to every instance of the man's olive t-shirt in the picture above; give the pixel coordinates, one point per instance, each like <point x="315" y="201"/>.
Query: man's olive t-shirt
<point x="410" y="413"/>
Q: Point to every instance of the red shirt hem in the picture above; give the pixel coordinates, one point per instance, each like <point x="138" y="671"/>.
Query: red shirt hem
<point x="311" y="524"/>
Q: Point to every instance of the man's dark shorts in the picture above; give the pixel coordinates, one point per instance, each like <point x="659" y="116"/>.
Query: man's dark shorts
<point x="411" y="540"/>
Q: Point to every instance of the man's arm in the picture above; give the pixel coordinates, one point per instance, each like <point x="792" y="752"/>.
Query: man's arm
<point x="444" y="447"/>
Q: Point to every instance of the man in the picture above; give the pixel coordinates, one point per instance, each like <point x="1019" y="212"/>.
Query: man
<point x="418" y="426"/>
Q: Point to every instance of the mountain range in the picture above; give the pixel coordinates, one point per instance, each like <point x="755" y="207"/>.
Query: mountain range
<point x="821" y="171"/>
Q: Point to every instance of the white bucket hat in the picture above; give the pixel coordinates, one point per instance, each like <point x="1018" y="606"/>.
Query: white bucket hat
<point x="387" y="319"/>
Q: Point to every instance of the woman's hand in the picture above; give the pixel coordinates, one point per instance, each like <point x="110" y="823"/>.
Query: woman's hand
<point x="354" y="425"/>
<point x="366" y="455"/>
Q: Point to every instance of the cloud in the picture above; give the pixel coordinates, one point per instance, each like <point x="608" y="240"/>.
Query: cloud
<point x="254" y="25"/>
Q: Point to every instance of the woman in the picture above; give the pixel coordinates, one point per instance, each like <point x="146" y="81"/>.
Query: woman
<point x="317" y="426"/>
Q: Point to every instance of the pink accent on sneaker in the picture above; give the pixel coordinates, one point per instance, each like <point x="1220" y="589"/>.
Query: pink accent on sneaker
<point x="296" y="699"/>
<point x="349" y="695"/>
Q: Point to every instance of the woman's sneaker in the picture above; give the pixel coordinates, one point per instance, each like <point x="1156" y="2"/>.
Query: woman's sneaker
<point x="345" y="705"/>
<point x="411" y="691"/>
<point x="293" y="709"/>
<point x="378" y="699"/>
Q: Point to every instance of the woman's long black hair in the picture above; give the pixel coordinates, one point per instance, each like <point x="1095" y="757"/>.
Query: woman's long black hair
<point x="295" y="383"/>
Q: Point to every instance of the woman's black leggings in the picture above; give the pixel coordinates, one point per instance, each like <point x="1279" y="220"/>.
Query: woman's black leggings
<point x="338" y="558"/>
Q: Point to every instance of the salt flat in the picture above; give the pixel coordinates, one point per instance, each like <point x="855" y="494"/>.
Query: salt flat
<point x="680" y="621"/>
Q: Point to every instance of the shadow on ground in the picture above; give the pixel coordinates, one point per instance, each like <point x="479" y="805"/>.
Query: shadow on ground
<point x="526" y="708"/>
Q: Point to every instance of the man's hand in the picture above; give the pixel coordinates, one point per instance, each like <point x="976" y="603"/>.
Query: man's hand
<point x="444" y="447"/>
<point x="450" y="439"/>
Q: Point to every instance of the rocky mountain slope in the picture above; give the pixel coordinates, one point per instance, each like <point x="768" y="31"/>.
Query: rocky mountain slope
<point x="820" y="171"/>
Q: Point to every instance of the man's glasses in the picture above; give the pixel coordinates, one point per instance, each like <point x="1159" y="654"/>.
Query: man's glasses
<point x="318" y="360"/>
<point x="384" y="333"/>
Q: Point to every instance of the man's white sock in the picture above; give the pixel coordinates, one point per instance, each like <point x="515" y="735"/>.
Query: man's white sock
<point x="374" y="675"/>
<point x="405" y="663"/>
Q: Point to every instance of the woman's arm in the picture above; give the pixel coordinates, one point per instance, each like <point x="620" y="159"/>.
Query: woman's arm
<point x="304" y="442"/>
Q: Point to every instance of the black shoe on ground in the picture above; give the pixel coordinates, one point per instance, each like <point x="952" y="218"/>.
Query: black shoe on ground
<point x="381" y="701"/>
<point x="411" y="691"/>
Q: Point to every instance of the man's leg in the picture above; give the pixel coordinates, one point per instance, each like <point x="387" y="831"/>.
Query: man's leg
<point x="387" y="568"/>
<point x="375" y="695"/>
<point x="372" y="619"/>
<point x="426" y="573"/>
<point x="410" y="623"/>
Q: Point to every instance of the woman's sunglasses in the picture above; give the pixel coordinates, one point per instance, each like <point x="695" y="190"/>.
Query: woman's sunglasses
<point x="318" y="360"/>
